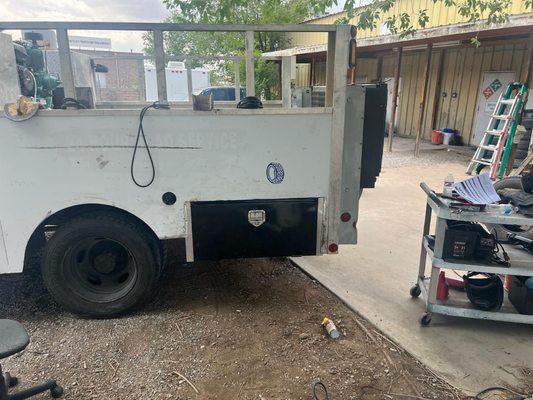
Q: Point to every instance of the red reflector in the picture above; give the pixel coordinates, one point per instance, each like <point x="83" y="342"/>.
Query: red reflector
<point x="345" y="217"/>
<point x="333" y="247"/>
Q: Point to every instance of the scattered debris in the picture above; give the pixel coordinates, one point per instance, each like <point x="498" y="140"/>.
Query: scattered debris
<point x="225" y="355"/>
<point x="330" y="328"/>
<point x="186" y="380"/>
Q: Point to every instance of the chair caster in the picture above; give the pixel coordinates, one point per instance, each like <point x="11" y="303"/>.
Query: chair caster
<point x="56" y="392"/>
<point x="415" y="291"/>
<point x="426" y="319"/>
<point x="11" y="381"/>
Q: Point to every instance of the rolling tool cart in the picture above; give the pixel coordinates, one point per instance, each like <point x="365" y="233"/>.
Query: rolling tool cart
<point x="521" y="262"/>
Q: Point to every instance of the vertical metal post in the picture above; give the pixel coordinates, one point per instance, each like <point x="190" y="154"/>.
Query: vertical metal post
<point x="97" y="89"/>
<point x="379" y="73"/>
<point x="337" y="73"/>
<point x="237" y="67"/>
<point x="188" y="65"/>
<point x="437" y="97"/>
<point x="313" y="70"/>
<point x="141" y="80"/>
<point x="525" y="74"/>
<point x="250" y="65"/>
<point x="423" y="99"/>
<point x="394" y="106"/>
<point x="423" y="254"/>
<point x="286" y="75"/>
<point x="440" y="231"/>
<point x="65" y="63"/>
<point x="330" y="70"/>
<point x="159" y="52"/>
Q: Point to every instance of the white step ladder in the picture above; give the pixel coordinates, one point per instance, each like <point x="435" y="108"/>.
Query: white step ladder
<point x="490" y="149"/>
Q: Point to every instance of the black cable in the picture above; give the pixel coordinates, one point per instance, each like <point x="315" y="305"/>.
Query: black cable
<point x="250" y="102"/>
<point x="496" y="250"/>
<point x="501" y="389"/>
<point x="324" y="389"/>
<point x="70" y="102"/>
<point x="140" y="132"/>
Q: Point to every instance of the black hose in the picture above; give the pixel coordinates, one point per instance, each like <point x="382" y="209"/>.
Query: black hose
<point x="70" y="102"/>
<point x="323" y="389"/>
<point x="140" y="132"/>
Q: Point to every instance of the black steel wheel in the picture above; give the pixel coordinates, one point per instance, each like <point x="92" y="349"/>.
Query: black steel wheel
<point x="426" y="319"/>
<point x="415" y="291"/>
<point x="99" y="269"/>
<point x="101" y="265"/>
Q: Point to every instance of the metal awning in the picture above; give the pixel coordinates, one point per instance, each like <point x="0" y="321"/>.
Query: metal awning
<point x="517" y="25"/>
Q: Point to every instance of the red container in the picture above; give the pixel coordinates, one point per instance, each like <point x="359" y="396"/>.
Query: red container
<point x="442" y="287"/>
<point x="437" y="137"/>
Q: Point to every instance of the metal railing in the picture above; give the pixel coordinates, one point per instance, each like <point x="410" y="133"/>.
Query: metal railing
<point x="337" y="57"/>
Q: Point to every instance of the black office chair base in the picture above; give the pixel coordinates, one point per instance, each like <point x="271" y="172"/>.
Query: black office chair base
<point x="56" y="391"/>
<point x="11" y="381"/>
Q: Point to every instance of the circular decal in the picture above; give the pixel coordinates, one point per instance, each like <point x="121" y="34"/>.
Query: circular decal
<point x="275" y="173"/>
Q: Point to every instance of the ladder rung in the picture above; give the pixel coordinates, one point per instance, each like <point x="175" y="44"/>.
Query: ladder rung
<point x="488" y="147"/>
<point x="494" y="132"/>
<point x="502" y="117"/>
<point x="481" y="162"/>
<point x="507" y="101"/>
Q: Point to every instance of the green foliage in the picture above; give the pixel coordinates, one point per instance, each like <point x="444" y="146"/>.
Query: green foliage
<point x="294" y="11"/>
<point x="493" y="11"/>
<point x="236" y="12"/>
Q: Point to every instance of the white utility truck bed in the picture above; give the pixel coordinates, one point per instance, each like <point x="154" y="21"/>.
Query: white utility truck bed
<point x="104" y="206"/>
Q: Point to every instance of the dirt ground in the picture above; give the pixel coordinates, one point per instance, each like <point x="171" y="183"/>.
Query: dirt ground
<point x="235" y="330"/>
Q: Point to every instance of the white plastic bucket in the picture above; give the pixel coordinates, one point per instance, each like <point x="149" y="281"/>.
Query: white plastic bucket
<point x="447" y="137"/>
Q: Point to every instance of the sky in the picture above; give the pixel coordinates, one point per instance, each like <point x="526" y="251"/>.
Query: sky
<point x="89" y="10"/>
<point x="93" y="10"/>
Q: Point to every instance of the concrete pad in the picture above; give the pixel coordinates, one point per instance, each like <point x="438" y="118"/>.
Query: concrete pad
<point x="374" y="278"/>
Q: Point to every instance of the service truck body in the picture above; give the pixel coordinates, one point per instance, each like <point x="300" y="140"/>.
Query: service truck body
<point x="228" y="183"/>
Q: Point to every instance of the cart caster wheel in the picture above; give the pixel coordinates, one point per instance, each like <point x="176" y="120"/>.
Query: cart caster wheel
<point x="415" y="291"/>
<point x="425" y="320"/>
<point x="10" y="381"/>
<point x="56" y="392"/>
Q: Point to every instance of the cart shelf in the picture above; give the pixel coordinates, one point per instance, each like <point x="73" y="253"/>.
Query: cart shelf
<point x="458" y="305"/>
<point x="521" y="263"/>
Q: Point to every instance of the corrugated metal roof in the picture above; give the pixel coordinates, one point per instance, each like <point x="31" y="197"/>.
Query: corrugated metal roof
<point x="517" y="24"/>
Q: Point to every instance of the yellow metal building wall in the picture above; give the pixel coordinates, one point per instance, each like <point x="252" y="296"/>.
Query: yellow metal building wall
<point x="461" y="73"/>
<point x="462" y="70"/>
<point x="438" y="13"/>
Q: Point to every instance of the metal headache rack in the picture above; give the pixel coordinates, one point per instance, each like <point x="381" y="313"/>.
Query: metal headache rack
<point x="337" y="56"/>
<point x="458" y="304"/>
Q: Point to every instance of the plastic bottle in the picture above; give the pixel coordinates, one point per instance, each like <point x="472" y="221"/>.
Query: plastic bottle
<point x="447" y="189"/>
<point x="330" y="328"/>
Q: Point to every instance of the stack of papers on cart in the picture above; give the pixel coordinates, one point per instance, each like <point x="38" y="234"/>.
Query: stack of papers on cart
<point x="477" y="190"/>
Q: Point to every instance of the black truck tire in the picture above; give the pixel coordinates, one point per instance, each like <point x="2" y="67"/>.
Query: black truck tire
<point x="503" y="231"/>
<point x="523" y="145"/>
<point x="101" y="265"/>
<point x="520" y="154"/>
